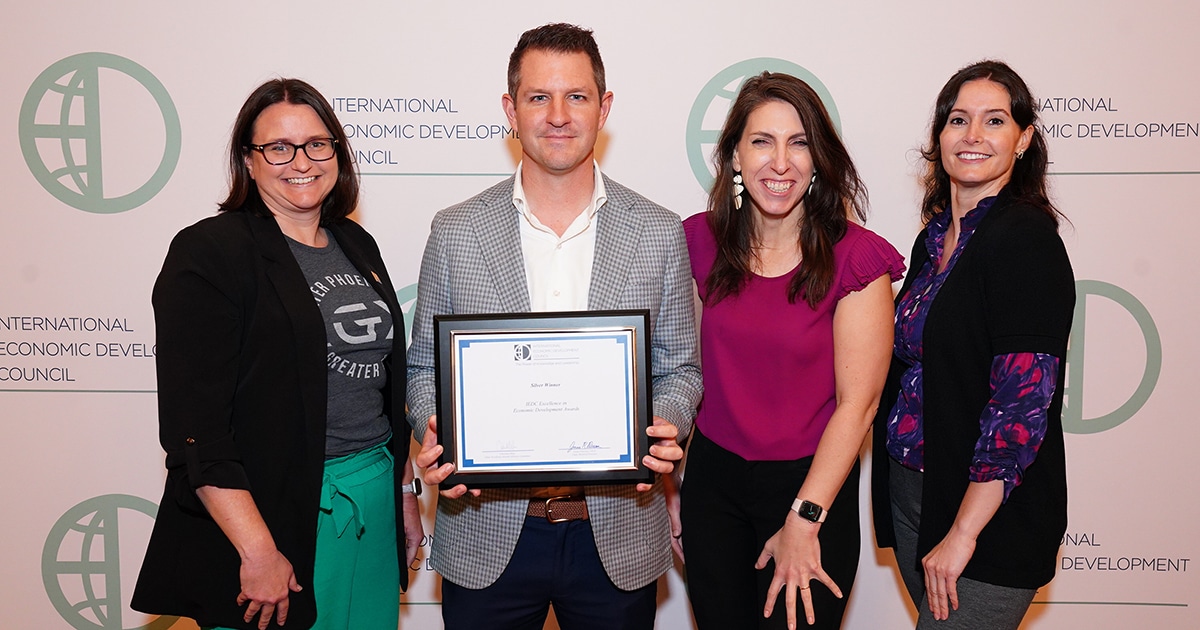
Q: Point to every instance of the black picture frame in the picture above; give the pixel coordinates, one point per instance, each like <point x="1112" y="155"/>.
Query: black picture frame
<point x="455" y="333"/>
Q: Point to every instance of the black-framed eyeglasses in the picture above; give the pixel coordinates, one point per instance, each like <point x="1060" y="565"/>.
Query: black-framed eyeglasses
<point x="280" y="153"/>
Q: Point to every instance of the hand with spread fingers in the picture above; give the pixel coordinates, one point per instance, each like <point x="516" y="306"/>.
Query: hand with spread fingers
<point x="797" y="555"/>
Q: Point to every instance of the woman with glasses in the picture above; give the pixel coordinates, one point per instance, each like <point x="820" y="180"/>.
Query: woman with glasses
<point x="281" y="378"/>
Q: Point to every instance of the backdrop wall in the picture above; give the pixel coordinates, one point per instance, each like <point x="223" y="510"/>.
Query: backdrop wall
<point x="114" y="119"/>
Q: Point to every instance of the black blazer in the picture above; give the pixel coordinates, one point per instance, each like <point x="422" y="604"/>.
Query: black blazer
<point x="1012" y="290"/>
<point x="242" y="400"/>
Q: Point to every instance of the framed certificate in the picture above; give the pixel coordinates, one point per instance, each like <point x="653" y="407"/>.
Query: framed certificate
<point x="544" y="399"/>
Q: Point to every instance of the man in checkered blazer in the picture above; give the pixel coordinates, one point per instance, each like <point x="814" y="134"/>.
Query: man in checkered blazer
<point x="557" y="236"/>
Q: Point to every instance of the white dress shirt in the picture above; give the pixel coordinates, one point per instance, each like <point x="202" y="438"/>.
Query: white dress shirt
<point x="559" y="268"/>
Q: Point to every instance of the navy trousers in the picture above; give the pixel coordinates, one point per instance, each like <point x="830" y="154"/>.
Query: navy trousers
<point x="554" y="564"/>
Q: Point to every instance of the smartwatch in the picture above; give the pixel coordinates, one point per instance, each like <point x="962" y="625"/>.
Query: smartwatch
<point x="809" y="511"/>
<point x="413" y="488"/>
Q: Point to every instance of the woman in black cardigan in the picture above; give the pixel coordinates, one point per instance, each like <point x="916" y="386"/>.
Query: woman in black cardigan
<point x="969" y="468"/>
<point x="281" y="385"/>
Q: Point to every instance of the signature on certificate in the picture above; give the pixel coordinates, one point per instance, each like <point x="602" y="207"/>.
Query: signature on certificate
<point x="586" y="446"/>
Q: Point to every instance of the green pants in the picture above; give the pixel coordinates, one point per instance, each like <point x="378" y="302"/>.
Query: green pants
<point x="357" y="576"/>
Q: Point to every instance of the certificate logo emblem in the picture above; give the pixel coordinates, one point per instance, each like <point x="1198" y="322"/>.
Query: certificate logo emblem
<point x="81" y="562"/>
<point x="522" y="352"/>
<point x="712" y="105"/>
<point x="60" y="125"/>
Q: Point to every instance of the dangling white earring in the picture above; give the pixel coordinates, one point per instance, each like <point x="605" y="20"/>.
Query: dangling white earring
<point x="811" y="182"/>
<point x="1020" y="154"/>
<point x="738" y="189"/>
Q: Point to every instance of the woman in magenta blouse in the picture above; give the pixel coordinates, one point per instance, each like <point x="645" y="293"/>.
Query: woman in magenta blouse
<point x="795" y="337"/>
<point x="969" y="471"/>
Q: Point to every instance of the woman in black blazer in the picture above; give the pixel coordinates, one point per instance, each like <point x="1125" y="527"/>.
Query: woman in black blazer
<point x="281" y="376"/>
<point x="969" y="470"/>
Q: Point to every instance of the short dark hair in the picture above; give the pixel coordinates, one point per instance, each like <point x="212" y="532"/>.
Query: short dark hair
<point x="837" y="191"/>
<point x="558" y="38"/>
<point x="243" y="192"/>
<point x="1028" y="182"/>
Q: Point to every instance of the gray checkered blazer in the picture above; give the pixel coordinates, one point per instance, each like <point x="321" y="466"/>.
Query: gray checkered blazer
<point x="473" y="264"/>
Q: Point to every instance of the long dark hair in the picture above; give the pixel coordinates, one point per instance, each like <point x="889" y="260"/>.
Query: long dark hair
<point x="243" y="192"/>
<point x="1028" y="182"/>
<point x="837" y="192"/>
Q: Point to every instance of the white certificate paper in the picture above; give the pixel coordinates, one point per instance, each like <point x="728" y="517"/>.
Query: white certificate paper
<point x="533" y="401"/>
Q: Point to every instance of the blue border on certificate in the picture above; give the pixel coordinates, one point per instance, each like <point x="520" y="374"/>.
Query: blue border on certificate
<point x="623" y="339"/>
<point x="500" y="458"/>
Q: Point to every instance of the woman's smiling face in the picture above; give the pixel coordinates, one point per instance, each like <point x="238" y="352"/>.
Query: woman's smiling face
<point x="981" y="140"/>
<point x="774" y="158"/>
<point x="299" y="187"/>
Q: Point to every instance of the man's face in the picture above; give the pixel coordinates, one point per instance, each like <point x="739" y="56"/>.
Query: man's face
<point x="558" y="111"/>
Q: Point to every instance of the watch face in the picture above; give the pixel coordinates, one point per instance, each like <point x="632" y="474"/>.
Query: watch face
<point x="809" y="511"/>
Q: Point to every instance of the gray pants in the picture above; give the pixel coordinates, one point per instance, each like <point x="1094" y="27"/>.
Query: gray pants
<point x="981" y="606"/>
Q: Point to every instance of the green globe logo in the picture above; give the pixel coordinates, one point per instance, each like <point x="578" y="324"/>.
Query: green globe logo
<point x="81" y="562"/>
<point x="407" y="297"/>
<point x="60" y="130"/>
<point x="712" y="104"/>
<point x="1073" y="420"/>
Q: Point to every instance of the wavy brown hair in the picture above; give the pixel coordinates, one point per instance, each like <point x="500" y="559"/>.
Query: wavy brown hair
<point x="243" y="192"/>
<point x="837" y="193"/>
<point x="1028" y="182"/>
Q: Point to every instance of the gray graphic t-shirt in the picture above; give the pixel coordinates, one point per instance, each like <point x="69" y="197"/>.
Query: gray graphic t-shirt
<point x="358" y="331"/>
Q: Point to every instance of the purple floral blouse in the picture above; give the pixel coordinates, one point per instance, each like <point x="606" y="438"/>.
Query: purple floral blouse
<point x="1013" y="423"/>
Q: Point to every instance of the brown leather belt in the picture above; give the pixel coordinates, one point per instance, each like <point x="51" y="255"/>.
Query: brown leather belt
<point x="559" y="509"/>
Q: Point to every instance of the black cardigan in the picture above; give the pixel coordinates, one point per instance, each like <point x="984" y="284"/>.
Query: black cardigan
<point x="1011" y="290"/>
<point x="242" y="399"/>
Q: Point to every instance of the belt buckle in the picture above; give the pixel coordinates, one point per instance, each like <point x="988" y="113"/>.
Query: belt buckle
<point x="550" y="509"/>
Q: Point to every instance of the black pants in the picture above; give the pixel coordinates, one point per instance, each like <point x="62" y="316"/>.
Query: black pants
<point x="730" y="507"/>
